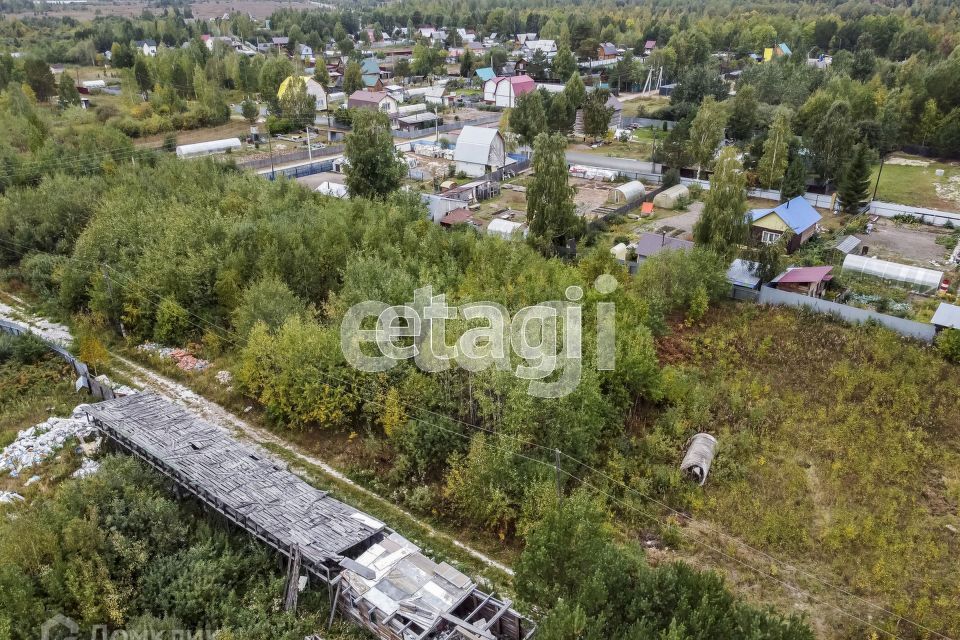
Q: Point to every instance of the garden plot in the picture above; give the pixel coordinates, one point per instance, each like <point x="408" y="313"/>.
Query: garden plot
<point x="916" y="244"/>
<point x="912" y="180"/>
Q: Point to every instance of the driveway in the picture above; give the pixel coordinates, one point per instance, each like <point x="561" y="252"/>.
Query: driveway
<point x="902" y="242"/>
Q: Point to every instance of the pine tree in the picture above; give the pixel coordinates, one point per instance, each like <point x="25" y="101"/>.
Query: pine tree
<point x="466" y="64"/>
<point x="723" y="224"/>
<point x="853" y="188"/>
<point x="795" y="180"/>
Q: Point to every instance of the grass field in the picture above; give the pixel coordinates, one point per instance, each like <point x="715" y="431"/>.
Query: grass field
<point x="836" y="443"/>
<point x="912" y="180"/>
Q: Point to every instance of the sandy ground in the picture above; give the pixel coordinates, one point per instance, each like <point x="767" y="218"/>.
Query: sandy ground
<point x="915" y="244"/>
<point x="683" y="220"/>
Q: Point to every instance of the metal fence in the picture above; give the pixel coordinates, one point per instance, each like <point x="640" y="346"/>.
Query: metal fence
<point x="302" y="170"/>
<point x="908" y="328"/>
<point x="85" y="380"/>
<point x="290" y="156"/>
<point x="626" y="121"/>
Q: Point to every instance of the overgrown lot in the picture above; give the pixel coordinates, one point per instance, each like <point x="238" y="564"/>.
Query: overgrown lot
<point x="839" y="451"/>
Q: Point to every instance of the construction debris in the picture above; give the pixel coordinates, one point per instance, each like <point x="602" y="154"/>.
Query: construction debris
<point x="696" y="463"/>
<point x="88" y="468"/>
<point x="34" y="445"/>
<point x="8" y="497"/>
<point x="184" y="359"/>
<point x="119" y="390"/>
<point x="224" y="377"/>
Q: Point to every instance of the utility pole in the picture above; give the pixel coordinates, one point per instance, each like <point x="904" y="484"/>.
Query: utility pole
<point x="556" y="453"/>
<point x="877" y="186"/>
<point x="309" y="146"/>
<point x="273" y="175"/>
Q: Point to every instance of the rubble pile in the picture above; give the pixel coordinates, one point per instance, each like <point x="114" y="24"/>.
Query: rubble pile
<point x="119" y="390"/>
<point x="184" y="359"/>
<point x="34" y="445"/>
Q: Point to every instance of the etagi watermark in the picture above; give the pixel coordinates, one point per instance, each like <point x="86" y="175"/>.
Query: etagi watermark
<point x="60" y="627"/>
<point x="546" y="337"/>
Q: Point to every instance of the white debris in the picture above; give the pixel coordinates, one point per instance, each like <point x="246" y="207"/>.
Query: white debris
<point x="224" y="377"/>
<point x="34" y="445"/>
<point x="88" y="468"/>
<point x="119" y="390"/>
<point x="184" y="359"/>
<point x="7" y="497"/>
<point x="46" y="329"/>
<point x="32" y="480"/>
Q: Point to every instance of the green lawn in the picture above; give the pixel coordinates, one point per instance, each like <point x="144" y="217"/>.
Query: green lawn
<point x="919" y="185"/>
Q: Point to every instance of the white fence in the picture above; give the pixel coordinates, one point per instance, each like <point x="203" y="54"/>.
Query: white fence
<point x="908" y="328"/>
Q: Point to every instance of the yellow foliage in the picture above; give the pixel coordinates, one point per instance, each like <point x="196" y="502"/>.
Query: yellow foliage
<point x="393" y="416"/>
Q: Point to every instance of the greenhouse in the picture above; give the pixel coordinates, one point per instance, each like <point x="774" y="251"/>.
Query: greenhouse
<point x="902" y="275"/>
<point x="207" y="148"/>
<point x="628" y="192"/>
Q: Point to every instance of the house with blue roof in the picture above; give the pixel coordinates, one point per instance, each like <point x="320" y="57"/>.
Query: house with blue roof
<point x="485" y="73"/>
<point x="796" y="216"/>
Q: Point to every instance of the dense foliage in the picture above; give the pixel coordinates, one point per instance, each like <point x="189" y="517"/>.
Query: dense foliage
<point x="116" y="549"/>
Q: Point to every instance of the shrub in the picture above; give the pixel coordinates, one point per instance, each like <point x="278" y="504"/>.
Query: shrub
<point x="269" y="300"/>
<point x="28" y="349"/>
<point x="671" y="178"/>
<point x="948" y="344"/>
<point x="173" y="323"/>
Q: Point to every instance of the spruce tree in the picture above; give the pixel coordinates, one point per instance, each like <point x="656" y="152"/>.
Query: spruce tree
<point x="795" y="180"/>
<point x="853" y="187"/>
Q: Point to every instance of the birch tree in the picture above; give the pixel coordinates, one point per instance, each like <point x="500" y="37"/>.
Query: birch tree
<point x="706" y="131"/>
<point x="773" y="163"/>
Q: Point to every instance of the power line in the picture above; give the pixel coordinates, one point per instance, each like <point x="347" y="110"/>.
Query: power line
<point x="232" y="338"/>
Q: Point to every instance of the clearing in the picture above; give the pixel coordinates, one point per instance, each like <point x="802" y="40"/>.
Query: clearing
<point x="835" y="443"/>
<point x="912" y="180"/>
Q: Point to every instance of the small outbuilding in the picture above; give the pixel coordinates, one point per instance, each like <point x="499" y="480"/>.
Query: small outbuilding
<point x="628" y="192"/>
<point x="809" y="281"/>
<point x="479" y="150"/>
<point x="947" y="316"/>
<point x="650" y="244"/>
<point x="668" y="198"/>
<point x="741" y="274"/>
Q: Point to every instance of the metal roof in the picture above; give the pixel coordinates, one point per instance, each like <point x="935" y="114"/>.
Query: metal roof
<point x="243" y="481"/>
<point x="474" y="145"/>
<point x="650" y="244"/>
<point x="740" y="274"/>
<point x="485" y="73"/>
<point x="947" y="315"/>
<point x="797" y="214"/>
<point x="848" y="244"/>
<point x="416" y="118"/>
<point x="804" y="275"/>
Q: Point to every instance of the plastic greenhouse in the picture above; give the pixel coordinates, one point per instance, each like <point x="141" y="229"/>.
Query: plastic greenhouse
<point x="915" y="278"/>
<point x="207" y="148"/>
<point x="628" y="192"/>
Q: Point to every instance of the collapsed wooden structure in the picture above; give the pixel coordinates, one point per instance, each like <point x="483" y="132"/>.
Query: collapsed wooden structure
<point x="376" y="577"/>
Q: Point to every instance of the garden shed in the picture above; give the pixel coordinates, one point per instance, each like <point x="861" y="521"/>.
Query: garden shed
<point x="628" y="192"/>
<point x="668" y="198"/>
<point x="915" y="278"/>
